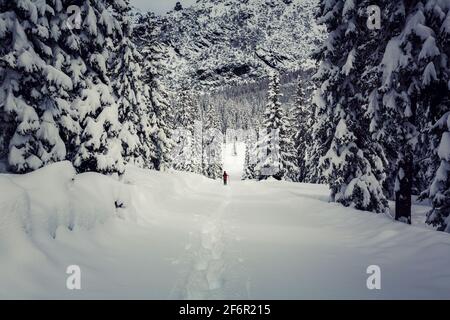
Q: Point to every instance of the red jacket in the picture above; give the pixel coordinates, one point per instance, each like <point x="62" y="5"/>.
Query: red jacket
<point x="225" y="176"/>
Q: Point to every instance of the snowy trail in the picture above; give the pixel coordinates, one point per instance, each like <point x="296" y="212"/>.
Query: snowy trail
<point x="234" y="164"/>
<point x="183" y="236"/>
<point x="205" y="280"/>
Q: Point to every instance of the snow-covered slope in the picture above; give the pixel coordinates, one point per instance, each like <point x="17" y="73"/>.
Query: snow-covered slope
<point x="179" y="235"/>
<point x="218" y="42"/>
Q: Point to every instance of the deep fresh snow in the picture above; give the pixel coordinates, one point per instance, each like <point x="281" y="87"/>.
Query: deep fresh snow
<point x="183" y="236"/>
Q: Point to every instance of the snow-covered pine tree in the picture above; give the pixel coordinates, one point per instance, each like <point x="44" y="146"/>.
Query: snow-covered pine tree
<point x="153" y="52"/>
<point x="250" y="155"/>
<point x="274" y="145"/>
<point x="34" y="85"/>
<point x="132" y="96"/>
<point x="197" y="148"/>
<point x="301" y="122"/>
<point x="99" y="148"/>
<point x="351" y="167"/>
<point x="439" y="191"/>
<point x="212" y="144"/>
<point x="289" y="150"/>
<point x="320" y="132"/>
<point x="161" y="125"/>
<point x="213" y="166"/>
<point x="183" y="135"/>
<point x="412" y="71"/>
<point x="435" y="95"/>
<point x="377" y="115"/>
<point x="437" y="101"/>
<point x="399" y="98"/>
<point x="182" y="150"/>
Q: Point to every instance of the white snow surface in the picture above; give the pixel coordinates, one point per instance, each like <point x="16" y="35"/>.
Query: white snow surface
<point x="234" y="164"/>
<point x="183" y="236"/>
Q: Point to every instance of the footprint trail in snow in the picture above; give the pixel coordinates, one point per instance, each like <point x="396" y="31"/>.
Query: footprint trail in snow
<point x="205" y="281"/>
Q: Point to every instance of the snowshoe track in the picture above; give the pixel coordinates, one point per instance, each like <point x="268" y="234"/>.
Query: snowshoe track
<point x="205" y="280"/>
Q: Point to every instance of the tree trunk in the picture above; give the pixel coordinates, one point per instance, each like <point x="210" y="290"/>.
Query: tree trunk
<point x="404" y="192"/>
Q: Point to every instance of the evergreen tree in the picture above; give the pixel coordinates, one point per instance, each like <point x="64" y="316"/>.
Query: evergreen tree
<point x="320" y="132"/>
<point x="182" y="150"/>
<point x="274" y="145"/>
<point x="301" y="123"/>
<point x="377" y="115"/>
<point x="153" y="52"/>
<point x="35" y="85"/>
<point x="212" y="144"/>
<point x="436" y="94"/>
<point x="197" y="149"/>
<point x="250" y="155"/>
<point x="412" y="70"/>
<point x="132" y="97"/>
<point x="183" y="135"/>
<point x="439" y="191"/>
<point x="352" y="168"/>
<point x="99" y="148"/>
<point x="288" y="149"/>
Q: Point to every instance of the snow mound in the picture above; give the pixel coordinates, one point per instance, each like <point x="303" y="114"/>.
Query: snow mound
<point x="53" y="197"/>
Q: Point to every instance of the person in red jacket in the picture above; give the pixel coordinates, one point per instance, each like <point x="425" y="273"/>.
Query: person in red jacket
<point x="225" y="178"/>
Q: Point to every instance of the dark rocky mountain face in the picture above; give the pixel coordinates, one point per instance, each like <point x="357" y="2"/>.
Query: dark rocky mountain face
<point x="225" y="42"/>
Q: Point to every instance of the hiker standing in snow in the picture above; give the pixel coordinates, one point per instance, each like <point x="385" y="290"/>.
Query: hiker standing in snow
<point x="225" y="178"/>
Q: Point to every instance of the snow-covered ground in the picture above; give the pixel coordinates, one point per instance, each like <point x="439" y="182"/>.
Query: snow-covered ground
<point x="179" y="235"/>
<point x="234" y="164"/>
